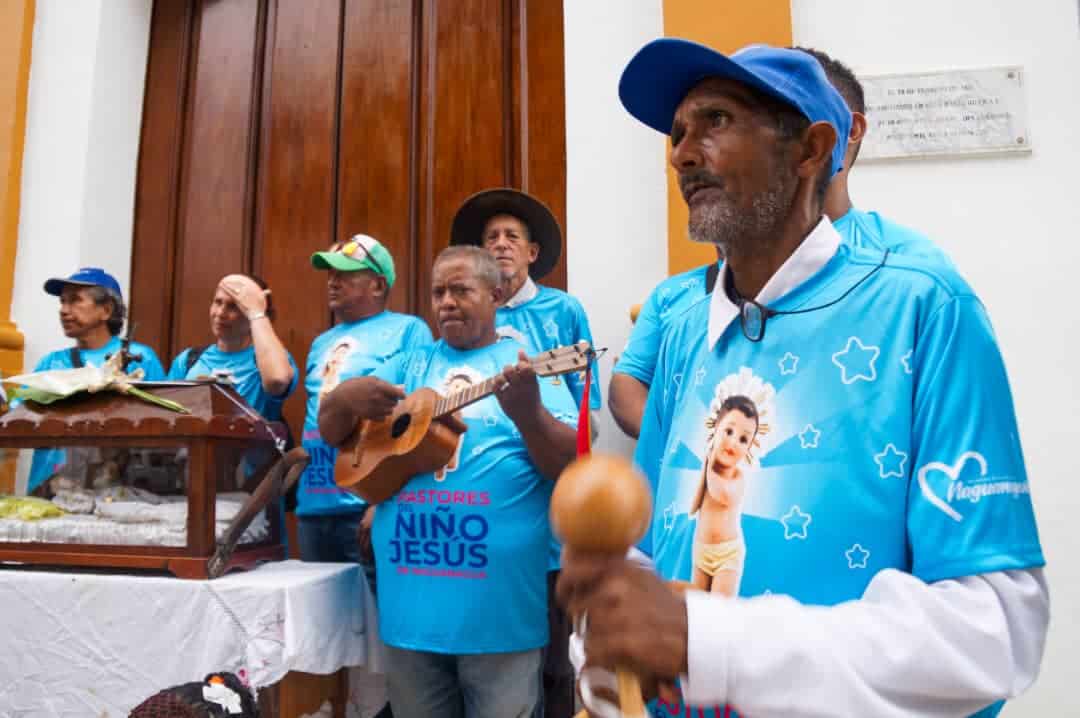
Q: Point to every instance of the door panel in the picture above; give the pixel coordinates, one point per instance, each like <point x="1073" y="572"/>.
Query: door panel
<point x="272" y="128"/>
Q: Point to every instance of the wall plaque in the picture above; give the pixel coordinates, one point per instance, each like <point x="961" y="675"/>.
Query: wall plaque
<point x="953" y="112"/>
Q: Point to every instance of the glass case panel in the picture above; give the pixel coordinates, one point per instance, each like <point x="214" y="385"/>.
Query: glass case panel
<point x="123" y="496"/>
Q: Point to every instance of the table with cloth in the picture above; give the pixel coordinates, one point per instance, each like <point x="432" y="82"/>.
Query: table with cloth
<point x="78" y="643"/>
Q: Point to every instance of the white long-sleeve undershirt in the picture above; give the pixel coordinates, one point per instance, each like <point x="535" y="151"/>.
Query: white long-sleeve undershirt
<point x="906" y="648"/>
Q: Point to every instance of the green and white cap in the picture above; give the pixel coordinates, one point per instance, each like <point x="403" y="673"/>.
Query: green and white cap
<point x="359" y="252"/>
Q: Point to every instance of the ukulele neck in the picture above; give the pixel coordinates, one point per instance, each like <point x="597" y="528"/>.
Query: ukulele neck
<point x="553" y="362"/>
<point x="460" y="399"/>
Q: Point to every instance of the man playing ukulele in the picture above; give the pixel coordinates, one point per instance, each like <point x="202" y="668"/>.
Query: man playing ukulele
<point x="462" y="562"/>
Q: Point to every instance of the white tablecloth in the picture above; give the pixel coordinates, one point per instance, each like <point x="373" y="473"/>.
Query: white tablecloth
<point x="96" y="645"/>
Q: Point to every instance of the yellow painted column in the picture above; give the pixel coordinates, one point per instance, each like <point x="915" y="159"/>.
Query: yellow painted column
<point x="16" y="35"/>
<point x="725" y="25"/>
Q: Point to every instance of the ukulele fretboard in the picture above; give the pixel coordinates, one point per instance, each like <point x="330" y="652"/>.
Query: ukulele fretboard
<point x="459" y="399"/>
<point x="553" y="362"/>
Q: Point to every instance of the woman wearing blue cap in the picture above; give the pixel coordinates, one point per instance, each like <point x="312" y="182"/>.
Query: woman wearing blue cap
<point x="92" y="313"/>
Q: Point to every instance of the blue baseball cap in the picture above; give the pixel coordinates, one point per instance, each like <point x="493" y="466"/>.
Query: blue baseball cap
<point x="86" y="277"/>
<point x="660" y="75"/>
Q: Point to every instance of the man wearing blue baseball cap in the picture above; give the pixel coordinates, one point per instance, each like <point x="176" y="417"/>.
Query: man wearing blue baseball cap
<point x="92" y="313"/>
<point x="841" y="503"/>
<point x="632" y="374"/>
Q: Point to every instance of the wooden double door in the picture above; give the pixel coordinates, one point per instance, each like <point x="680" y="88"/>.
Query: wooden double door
<point x="273" y="127"/>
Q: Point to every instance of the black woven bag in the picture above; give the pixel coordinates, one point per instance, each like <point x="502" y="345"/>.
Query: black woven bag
<point x="189" y="701"/>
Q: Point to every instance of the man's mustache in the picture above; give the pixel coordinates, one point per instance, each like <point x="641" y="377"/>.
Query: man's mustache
<point x="690" y="182"/>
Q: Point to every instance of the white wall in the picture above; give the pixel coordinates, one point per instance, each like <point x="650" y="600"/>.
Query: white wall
<point x="616" y="191"/>
<point x="1011" y="225"/>
<point x="84" y="112"/>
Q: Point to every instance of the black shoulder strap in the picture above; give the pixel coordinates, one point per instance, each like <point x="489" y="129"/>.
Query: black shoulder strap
<point x="710" y="276"/>
<point x="193" y="356"/>
<point x="76" y="358"/>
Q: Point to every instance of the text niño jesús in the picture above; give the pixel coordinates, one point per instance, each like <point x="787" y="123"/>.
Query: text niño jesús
<point x="441" y="538"/>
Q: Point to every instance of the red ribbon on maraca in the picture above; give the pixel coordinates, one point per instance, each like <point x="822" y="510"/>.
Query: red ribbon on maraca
<point x="602" y="505"/>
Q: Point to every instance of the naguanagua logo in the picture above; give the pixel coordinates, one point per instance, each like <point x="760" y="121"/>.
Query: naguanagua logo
<point x="961" y="486"/>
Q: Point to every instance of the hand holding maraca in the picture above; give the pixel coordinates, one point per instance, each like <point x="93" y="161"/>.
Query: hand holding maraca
<point x="600" y="508"/>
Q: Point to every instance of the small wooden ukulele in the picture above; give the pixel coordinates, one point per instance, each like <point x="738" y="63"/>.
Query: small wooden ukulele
<point x="379" y="457"/>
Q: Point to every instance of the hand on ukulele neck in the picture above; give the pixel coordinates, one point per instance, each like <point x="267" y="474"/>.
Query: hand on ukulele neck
<point x="518" y="392"/>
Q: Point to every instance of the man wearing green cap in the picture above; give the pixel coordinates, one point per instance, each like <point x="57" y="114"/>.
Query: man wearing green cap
<point x="360" y="273"/>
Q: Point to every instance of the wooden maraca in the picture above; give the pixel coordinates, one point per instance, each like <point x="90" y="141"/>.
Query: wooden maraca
<point x="601" y="505"/>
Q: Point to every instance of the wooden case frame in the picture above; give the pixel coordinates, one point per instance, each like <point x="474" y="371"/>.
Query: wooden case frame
<point x="218" y="425"/>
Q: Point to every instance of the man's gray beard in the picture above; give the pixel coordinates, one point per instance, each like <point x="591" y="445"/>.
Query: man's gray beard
<point x="733" y="230"/>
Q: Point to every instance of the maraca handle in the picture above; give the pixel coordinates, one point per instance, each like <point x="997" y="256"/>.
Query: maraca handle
<point x="631" y="703"/>
<point x="626" y="687"/>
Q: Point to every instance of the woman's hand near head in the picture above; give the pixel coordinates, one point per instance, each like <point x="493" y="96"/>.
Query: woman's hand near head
<point x="249" y="296"/>
<point x="271" y="358"/>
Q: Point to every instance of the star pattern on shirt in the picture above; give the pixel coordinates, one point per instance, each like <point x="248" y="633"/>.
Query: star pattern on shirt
<point x="808" y="437"/>
<point x="795" y="523"/>
<point x="669" y="517"/>
<point x="856" y="361"/>
<point x="677" y="381"/>
<point x="689" y="283"/>
<point x="490" y="420"/>
<point x="551" y="329"/>
<point x="906" y="361"/>
<point x="890" y="462"/>
<point x="789" y="364"/>
<point x="857" y="556"/>
<point x="477" y="450"/>
<point x="665" y="292"/>
<point x="699" y="377"/>
<point x="417" y="368"/>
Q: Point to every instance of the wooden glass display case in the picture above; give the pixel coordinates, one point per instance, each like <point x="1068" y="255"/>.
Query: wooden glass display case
<point x="142" y="487"/>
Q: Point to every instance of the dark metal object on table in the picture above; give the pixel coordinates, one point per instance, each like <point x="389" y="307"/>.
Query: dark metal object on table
<point x="273" y="486"/>
<point x="126" y="357"/>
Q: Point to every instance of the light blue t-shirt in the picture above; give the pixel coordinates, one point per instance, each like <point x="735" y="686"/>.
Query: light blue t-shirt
<point x="47" y="461"/>
<point x="675" y="294"/>
<point x="240" y="370"/>
<point x="462" y="554"/>
<point x="345" y="352"/>
<point x="669" y="299"/>
<point x="149" y="363"/>
<point x="551" y="319"/>
<point x="886" y="438"/>
<point x="869" y="230"/>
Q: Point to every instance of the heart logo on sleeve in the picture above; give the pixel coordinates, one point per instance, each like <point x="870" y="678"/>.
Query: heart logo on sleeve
<point x="953" y="472"/>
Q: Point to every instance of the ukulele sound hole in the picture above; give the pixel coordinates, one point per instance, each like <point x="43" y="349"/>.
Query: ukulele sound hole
<point x="400" y="425"/>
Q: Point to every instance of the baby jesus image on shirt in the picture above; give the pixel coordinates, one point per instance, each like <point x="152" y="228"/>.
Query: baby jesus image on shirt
<point x="456" y="380"/>
<point x="734" y="426"/>
<point x="333" y="362"/>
